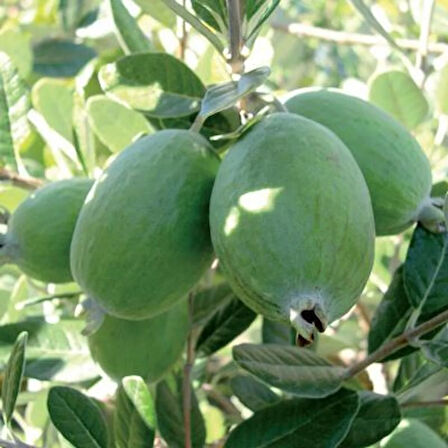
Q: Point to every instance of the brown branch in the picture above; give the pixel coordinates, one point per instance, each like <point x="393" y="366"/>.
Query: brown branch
<point x="222" y="401"/>
<point x="346" y="38"/>
<point x="236" y="60"/>
<point x="424" y="404"/>
<point x="397" y="343"/>
<point x="29" y="183"/>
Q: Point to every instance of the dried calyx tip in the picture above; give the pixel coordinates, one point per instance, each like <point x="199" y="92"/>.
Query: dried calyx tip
<point x="306" y="322"/>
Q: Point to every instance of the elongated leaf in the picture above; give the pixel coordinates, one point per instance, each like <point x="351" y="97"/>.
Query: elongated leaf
<point x="436" y="350"/>
<point x="212" y="12"/>
<point x="252" y="393"/>
<point x="61" y="58"/>
<point x="258" y="12"/>
<point x="225" y="95"/>
<point x="14" y="106"/>
<point x="137" y="391"/>
<point x="377" y="417"/>
<point x="17" y="45"/>
<point x="224" y="326"/>
<point x="277" y="333"/>
<point x="13" y="376"/>
<point x="54" y="351"/>
<point x="396" y="93"/>
<point x="436" y="417"/>
<point x="209" y="300"/>
<point x="170" y="418"/>
<point x="77" y="418"/>
<point x="317" y="423"/>
<point x="130" y="429"/>
<point x="114" y="124"/>
<point x="426" y="271"/>
<point x="155" y="83"/>
<point x="295" y="370"/>
<point x="130" y="36"/>
<point x="159" y="11"/>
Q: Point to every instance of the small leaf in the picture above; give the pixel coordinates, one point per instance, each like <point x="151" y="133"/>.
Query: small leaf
<point x="225" y="95"/>
<point x="114" y="124"/>
<point x="377" y="417"/>
<point x="277" y="333"/>
<point x="439" y="189"/>
<point x="170" y="418"/>
<point x="252" y="393"/>
<point x="295" y="370"/>
<point x="77" y="418"/>
<point x="300" y="422"/>
<point x="397" y="94"/>
<point x="436" y="350"/>
<point x="426" y="271"/>
<point x="13" y="377"/>
<point x="257" y="13"/>
<point x="130" y="430"/>
<point x="61" y="58"/>
<point x="224" y="326"/>
<point x="130" y="36"/>
<point x="157" y="10"/>
<point x="212" y="12"/>
<point x="208" y="300"/>
<point x="155" y="83"/>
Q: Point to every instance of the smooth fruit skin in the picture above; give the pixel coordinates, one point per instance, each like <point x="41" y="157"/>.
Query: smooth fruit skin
<point x="292" y="224"/>
<point x="41" y="229"/>
<point x="148" y="348"/>
<point x="396" y="169"/>
<point x="142" y="239"/>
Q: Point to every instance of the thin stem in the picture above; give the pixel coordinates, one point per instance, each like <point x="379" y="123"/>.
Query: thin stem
<point x="424" y="404"/>
<point x="29" y="183"/>
<point x="186" y="388"/>
<point x="425" y="29"/>
<point x="397" y="343"/>
<point x="236" y="60"/>
<point x="183" y="35"/>
<point x="37" y="300"/>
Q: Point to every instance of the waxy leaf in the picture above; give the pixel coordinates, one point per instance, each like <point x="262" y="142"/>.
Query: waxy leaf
<point x="137" y="391"/>
<point x="213" y="13"/>
<point x="292" y="369"/>
<point x="436" y="350"/>
<point x="299" y="423"/>
<point x="157" y="84"/>
<point x="252" y="393"/>
<point x="77" y="418"/>
<point x="208" y="300"/>
<point x="377" y="417"/>
<point x="13" y="377"/>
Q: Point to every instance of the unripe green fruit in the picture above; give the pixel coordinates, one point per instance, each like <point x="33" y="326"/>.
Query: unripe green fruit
<point x="396" y="169"/>
<point x="142" y="239"/>
<point x="148" y="348"/>
<point x="41" y="229"/>
<point x="292" y="223"/>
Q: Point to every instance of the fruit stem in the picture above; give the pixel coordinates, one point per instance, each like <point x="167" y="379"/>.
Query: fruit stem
<point x="432" y="217"/>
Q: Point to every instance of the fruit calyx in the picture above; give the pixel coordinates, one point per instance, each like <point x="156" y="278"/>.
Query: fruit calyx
<point x="431" y="217"/>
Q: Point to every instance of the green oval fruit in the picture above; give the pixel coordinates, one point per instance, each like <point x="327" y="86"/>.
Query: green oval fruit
<point x="396" y="169"/>
<point x="292" y="223"/>
<point x="41" y="229"/>
<point x="142" y="239"/>
<point x="148" y="348"/>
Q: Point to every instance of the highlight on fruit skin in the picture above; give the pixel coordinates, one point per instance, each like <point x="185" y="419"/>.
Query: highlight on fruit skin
<point x="395" y="167"/>
<point x="292" y="223"/>
<point x="41" y="228"/>
<point x="148" y="348"/>
<point x="142" y="239"/>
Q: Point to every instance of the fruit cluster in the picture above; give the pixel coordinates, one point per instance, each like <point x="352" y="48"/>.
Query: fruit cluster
<point x="291" y="212"/>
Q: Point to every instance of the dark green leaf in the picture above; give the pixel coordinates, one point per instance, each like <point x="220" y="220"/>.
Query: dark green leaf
<point x="252" y="393"/>
<point x="277" y="333"/>
<point x="377" y="417"/>
<point x="155" y="83"/>
<point x="209" y="300"/>
<point x="77" y="418"/>
<point x="321" y="423"/>
<point x="224" y="326"/>
<point x="436" y="350"/>
<point x="257" y="13"/>
<point x="295" y="370"/>
<point x="71" y="12"/>
<point x="170" y="418"/>
<point x="426" y="271"/>
<point x="61" y="58"/>
<point x="212" y="12"/>
<point x="13" y="376"/>
<point x="130" y="36"/>
<point x="436" y="417"/>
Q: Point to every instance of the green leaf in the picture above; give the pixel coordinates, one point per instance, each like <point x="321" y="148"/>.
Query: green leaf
<point x="77" y="418"/>
<point x="224" y="326"/>
<point x="114" y="124"/>
<point x="377" y="417"/>
<point x="170" y="420"/>
<point x="61" y="58"/>
<point x="277" y="333"/>
<point x="13" y="377"/>
<point x="441" y="94"/>
<point x="436" y="350"/>
<point x="397" y="94"/>
<point x="436" y="417"/>
<point x="208" y="300"/>
<point x="439" y="189"/>
<point x="55" y="352"/>
<point x="158" y="10"/>
<point x="14" y="106"/>
<point x="252" y="393"/>
<point x="426" y="271"/>
<point x="16" y="44"/>
<point x="213" y="13"/>
<point x="155" y="83"/>
<point x="134" y="415"/>
<point x="225" y="95"/>
<point x="317" y="423"/>
<point x="54" y="100"/>
<point x="257" y="13"/>
<point x="130" y="36"/>
<point x="295" y="370"/>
